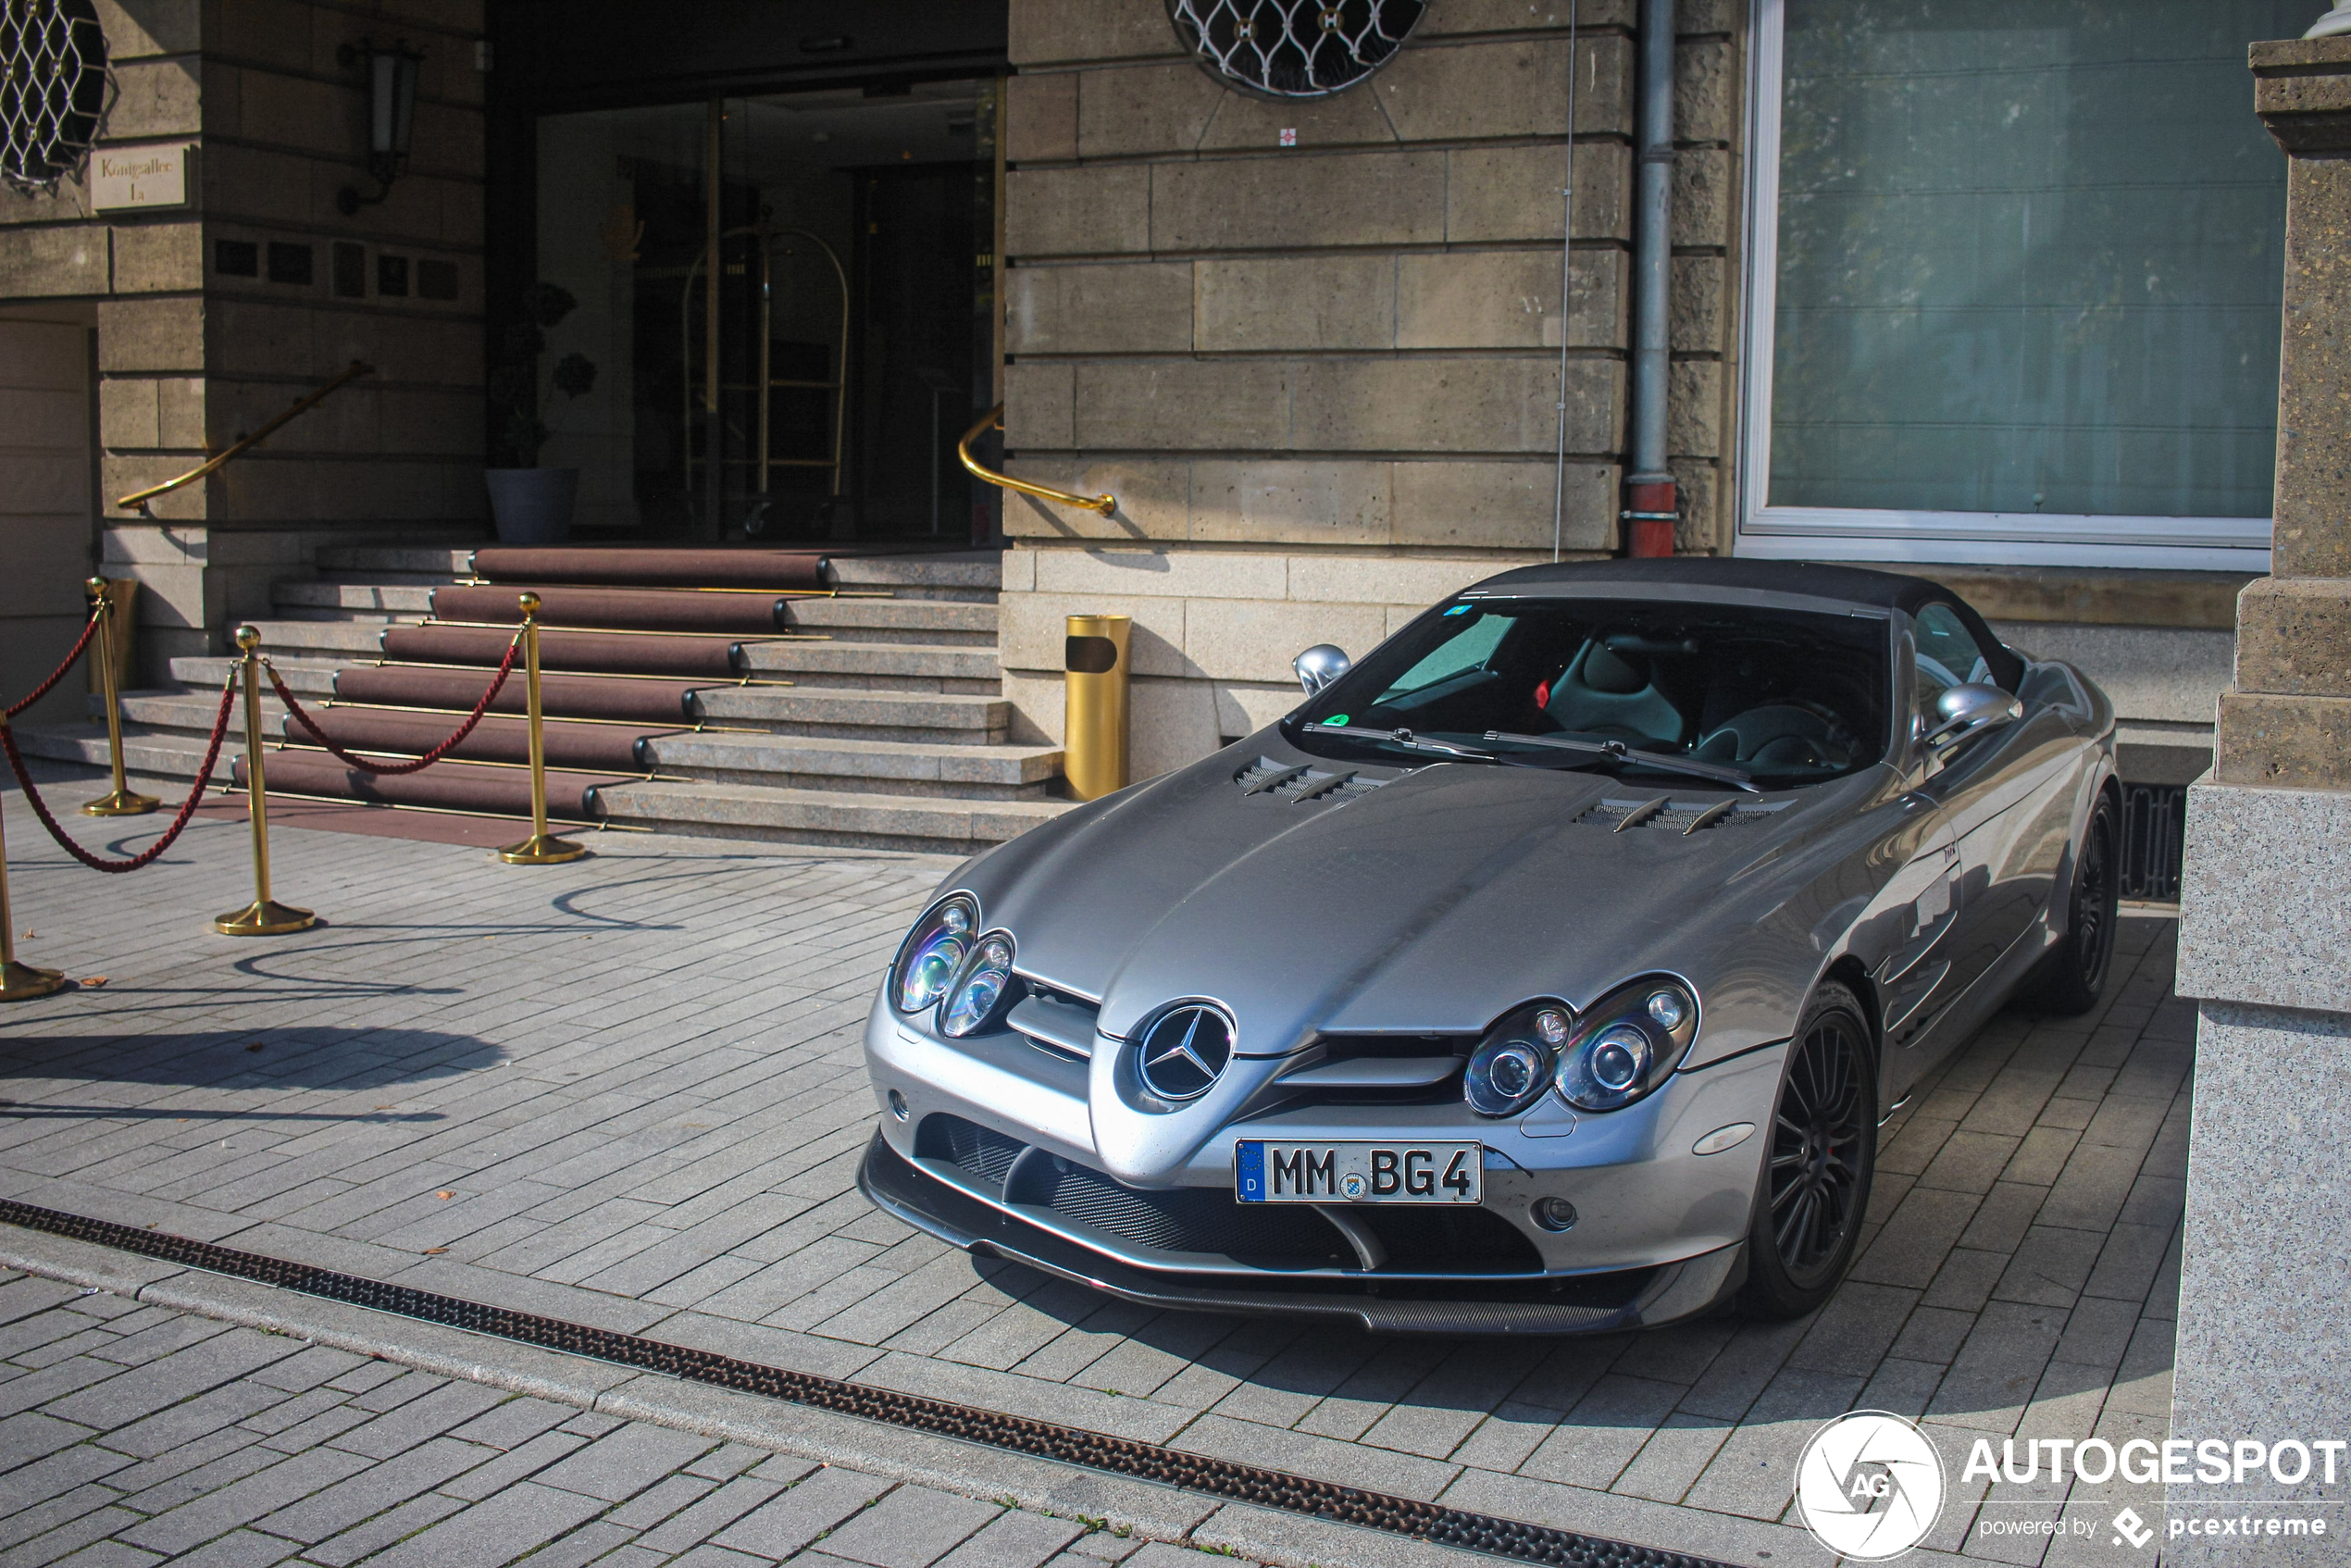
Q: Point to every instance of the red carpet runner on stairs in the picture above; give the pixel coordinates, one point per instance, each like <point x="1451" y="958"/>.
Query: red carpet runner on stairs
<point x="629" y="636"/>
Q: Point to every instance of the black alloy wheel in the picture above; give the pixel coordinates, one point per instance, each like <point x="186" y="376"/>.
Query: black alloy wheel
<point x="2072" y="977"/>
<point x="1815" y="1185"/>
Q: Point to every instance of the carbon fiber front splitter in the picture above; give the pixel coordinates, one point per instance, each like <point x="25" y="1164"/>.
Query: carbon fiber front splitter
<point x="1572" y="1304"/>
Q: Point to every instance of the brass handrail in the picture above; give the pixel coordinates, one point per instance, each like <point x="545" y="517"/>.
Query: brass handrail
<point x="213" y="464"/>
<point x="994" y="420"/>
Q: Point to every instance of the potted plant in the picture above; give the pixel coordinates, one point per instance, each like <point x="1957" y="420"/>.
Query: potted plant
<point x="531" y="505"/>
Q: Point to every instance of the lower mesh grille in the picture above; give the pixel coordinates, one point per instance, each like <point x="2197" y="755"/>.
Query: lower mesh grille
<point x="1450" y="1241"/>
<point x="977" y="1150"/>
<point x="1194" y="1219"/>
<point x="1203" y="1219"/>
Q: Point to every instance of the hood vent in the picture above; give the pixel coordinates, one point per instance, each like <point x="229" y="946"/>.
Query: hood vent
<point x="1298" y="785"/>
<point x="1679" y="816"/>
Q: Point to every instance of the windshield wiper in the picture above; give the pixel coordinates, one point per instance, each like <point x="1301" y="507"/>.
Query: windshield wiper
<point x="1405" y="739"/>
<point x="1617" y="750"/>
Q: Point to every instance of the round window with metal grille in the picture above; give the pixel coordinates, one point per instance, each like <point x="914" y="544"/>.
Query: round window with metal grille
<point x="1294" y="48"/>
<point x="53" y="89"/>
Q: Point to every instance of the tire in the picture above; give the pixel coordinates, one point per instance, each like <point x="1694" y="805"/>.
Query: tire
<point x="1822" y="1151"/>
<point x="2072" y="977"/>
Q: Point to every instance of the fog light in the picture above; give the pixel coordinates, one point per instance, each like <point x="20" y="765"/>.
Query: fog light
<point x="1554" y="1213"/>
<point x="896" y="1104"/>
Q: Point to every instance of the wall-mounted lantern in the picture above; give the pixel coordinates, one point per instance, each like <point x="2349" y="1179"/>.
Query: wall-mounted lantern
<point x="392" y="115"/>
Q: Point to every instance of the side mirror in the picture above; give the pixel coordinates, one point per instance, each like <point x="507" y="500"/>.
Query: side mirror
<point x="1970" y="709"/>
<point x="1318" y="665"/>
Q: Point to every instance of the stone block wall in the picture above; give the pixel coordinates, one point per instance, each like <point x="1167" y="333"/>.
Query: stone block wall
<point x="1323" y="378"/>
<point x="2266" y="910"/>
<point x="213" y="318"/>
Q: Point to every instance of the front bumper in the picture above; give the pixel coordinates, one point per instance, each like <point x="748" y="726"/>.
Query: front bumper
<point x="1584" y="1303"/>
<point x="1645" y="1199"/>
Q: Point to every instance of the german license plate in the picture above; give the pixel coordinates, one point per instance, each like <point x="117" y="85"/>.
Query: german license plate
<point x="1358" y="1172"/>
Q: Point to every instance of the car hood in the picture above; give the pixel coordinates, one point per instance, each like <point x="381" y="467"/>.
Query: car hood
<point x="1433" y="903"/>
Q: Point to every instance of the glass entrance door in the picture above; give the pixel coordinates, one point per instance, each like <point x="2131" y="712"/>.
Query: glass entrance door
<point x="780" y="295"/>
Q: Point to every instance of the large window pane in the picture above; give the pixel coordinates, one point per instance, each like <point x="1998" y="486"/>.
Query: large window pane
<point x="2029" y="257"/>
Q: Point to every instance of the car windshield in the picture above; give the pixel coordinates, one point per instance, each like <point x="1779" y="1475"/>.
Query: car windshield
<point x="1784" y="696"/>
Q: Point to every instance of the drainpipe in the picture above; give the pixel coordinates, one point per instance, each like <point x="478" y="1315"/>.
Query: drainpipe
<point x="1649" y="500"/>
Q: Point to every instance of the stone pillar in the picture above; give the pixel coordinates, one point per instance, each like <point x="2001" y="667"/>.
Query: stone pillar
<point x="2265" y="942"/>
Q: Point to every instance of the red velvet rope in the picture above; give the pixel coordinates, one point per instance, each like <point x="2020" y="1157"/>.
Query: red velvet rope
<point x="505" y="668"/>
<point x="50" y="684"/>
<point x="187" y="807"/>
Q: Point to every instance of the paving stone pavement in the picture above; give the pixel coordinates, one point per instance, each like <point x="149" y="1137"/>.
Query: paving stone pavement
<point x="627" y="1092"/>
<point x="133" y="1435"/>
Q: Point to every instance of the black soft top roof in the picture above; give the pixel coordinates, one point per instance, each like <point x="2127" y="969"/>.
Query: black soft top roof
<point x="1856" y="585"/>
<point x="1852" y="585"/>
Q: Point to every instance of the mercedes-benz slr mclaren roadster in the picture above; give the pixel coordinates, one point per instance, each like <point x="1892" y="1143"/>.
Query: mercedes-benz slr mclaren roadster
<point x="1549" y="970"/>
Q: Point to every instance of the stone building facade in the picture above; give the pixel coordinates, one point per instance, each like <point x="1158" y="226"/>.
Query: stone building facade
<point x="211" y="315"/>
<point x="1324" y="353"/>
<point x="1314" y="351"/>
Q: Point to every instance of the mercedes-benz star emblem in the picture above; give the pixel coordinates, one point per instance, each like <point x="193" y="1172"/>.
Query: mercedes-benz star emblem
<point x="1184" y="1050"/>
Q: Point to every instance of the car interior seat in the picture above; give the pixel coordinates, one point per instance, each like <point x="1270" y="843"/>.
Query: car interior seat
<point x="1607" y="692"/>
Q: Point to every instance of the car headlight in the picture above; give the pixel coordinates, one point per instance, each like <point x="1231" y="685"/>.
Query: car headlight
<point x="1511" y="1066"/>
<point x="979" y="991"/>
<point x="1629" y="1043"/>
<point x="932" y="953"/>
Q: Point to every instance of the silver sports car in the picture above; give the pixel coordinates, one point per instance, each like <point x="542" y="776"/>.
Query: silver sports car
<point x="1549" y="970"/>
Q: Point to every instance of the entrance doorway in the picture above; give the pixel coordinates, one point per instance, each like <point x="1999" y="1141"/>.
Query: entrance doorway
<point x="789" y="302"/>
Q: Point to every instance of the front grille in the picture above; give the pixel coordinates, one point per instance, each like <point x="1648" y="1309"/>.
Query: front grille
<point x="1450" y="1241"/>
<point x="976" y="1151"/>
<point x="1355" y="1047"/>
<point x="1194" y="1219"/>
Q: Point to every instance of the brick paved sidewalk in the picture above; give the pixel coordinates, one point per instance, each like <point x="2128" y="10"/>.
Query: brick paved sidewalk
<point x="131" y="1435"/>
<point x="627" y="1092"/>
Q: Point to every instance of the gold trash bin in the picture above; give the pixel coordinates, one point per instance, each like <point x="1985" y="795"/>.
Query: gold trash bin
<point x="1094" y="657"/>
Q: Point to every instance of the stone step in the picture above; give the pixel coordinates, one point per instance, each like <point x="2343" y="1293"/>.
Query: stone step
<point x="441" y="562"/>
<point x="929" y="719"/>
<point x="990" y="772"/>
<point x="897" y="620"/>
<point x="970" y="577"/>
<point x="305" y="677"/>
<point x="824" y="816"/>
<point x="896" y="667"/>
<point x="331" y="599"/>
<point x="154" y="755"/>
<point x="846" y="713"/>
<point x="361" y="642"/>
<point x="189" y="713"/>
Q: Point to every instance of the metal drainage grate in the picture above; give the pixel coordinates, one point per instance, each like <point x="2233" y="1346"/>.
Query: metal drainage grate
<point x="2155" y="832"/>
<point x="1096" y="1451"/>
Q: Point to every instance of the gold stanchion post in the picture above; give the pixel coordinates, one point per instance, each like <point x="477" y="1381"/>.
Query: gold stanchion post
<point x="264" y="916"/>
<point x="542" y="848"/>
<point x="18" y="982"/>
<point x="121" y="800"/>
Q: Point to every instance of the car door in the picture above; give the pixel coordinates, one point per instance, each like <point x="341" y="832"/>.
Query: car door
<point x="1994" y="791"/>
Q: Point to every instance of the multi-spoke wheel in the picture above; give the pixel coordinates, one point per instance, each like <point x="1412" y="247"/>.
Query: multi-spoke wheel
<point x="1815" y="1185"/>
<point x="2073" y="977"/>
